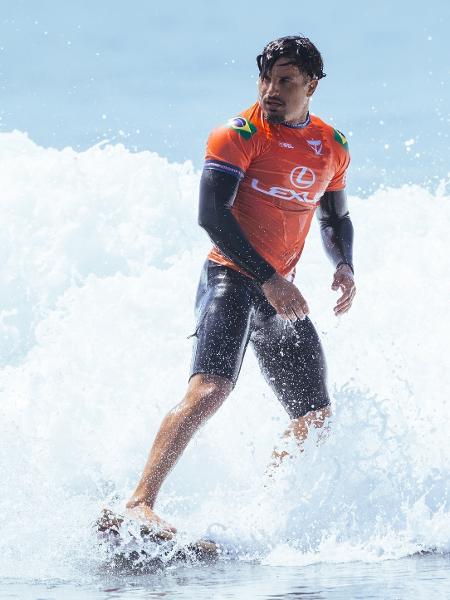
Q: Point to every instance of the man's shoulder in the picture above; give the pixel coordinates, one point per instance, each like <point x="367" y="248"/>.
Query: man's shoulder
<point x="245" y="124"/>
<point x="337" y="138"/>
<point x="239" y="140"/>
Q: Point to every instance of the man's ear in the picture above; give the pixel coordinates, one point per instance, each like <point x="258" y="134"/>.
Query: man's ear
<point x="312" y="87"/>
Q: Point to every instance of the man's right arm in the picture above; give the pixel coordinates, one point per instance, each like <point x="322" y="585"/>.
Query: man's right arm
<point x="217" y="193"/>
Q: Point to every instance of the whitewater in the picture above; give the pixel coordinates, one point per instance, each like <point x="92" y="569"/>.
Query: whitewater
<point x="100" y="259"/>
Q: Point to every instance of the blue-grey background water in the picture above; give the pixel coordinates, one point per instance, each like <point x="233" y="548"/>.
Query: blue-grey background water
<point x="159" y="76"/>
<point x="105" y="109"/>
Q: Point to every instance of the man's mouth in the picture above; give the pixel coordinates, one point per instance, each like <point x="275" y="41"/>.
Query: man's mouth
<point x="273" y="103"/>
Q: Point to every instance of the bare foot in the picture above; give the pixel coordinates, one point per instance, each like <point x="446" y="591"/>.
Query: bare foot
<point x="143" y="513"/>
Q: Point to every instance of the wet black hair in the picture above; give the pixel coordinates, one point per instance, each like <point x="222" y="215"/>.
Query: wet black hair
<point x="300" y="50"/>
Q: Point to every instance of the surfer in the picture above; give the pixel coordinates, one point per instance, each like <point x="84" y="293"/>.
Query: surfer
<point x="266" y="173"/>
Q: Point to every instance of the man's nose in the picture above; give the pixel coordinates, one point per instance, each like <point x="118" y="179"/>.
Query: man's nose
<point x="272" y="89"/>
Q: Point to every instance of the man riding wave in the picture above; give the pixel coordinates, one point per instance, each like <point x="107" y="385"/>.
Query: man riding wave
<point x="267" y="171"/>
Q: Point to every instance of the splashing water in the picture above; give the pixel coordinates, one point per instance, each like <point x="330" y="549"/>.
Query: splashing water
<point x="100" y="257"/>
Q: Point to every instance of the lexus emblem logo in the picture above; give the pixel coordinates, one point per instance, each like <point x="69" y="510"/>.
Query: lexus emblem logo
<point x="302" y="177"/>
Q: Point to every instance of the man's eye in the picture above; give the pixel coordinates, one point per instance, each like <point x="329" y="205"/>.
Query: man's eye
<point x="286" y="79"/>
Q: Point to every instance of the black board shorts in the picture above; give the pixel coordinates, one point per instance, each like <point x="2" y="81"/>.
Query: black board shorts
<point x="232" y="311"/>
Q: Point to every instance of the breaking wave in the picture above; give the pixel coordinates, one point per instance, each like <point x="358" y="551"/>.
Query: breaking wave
<point x="100" y="256"/>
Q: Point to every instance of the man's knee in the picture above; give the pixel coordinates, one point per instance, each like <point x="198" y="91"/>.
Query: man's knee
<point x="205" y="394"/>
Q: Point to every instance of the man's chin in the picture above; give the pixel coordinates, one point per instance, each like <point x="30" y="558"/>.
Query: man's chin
<point x="275" y="118"/>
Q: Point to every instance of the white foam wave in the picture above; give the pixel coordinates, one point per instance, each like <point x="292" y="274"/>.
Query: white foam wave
<point x="100" y="257"/>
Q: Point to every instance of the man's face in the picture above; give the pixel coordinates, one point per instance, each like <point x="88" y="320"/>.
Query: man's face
<point x="284" y="93"/>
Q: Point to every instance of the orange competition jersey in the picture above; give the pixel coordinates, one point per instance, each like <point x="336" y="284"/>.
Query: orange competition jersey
<point x="284" y="172"/>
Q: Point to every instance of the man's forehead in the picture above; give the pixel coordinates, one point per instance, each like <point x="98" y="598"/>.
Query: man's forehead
<point x="286" y="65"/>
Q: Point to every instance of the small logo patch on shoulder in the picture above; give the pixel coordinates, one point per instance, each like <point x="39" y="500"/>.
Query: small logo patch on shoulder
<point x="242" y="126"/>
<point x="340" y="137"/>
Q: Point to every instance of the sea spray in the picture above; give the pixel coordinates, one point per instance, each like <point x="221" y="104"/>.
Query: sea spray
<point x="100" y="260"/>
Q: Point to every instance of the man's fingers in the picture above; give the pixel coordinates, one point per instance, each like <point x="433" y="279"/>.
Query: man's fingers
<point x="305" y="307"/>
<point x="345" y="302"/>
<point x="343" y="308"/>
<point x="286" y="298"/>
<point x="345" y="282"/>
<point x="288" y="314"/>
<point x="300" y="305"/>
<point x="299" y="314"/>
<point x="283" y="312"/>
<point x="347" y="294"/>
<point x="291" y="314"/>
<point x="347" y="287"/>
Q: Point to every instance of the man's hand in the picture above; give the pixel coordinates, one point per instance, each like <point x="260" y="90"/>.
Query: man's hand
<point x="285" y="297"/>
<point x="343" y="279"/>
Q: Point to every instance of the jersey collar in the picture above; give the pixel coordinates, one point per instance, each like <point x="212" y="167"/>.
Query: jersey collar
<point x="301" y="125"/>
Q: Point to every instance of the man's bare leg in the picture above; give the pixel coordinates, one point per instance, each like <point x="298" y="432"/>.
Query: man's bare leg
<point x="205" y="394"/>
<point x="299" y="429"/>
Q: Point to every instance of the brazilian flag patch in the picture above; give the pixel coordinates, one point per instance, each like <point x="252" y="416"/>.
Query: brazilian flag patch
<point x="340" y="137"/>
<point x="242" y="126"/>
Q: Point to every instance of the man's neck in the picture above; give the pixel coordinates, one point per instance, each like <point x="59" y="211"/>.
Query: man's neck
<point x="300" y="123"/>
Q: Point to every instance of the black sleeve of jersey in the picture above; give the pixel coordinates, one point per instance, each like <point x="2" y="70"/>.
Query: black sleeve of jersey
<point x="217" y="194"/>
<point x="336" y="228"/>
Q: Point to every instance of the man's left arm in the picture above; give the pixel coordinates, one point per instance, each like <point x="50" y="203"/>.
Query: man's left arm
<point x="337" y="236"/>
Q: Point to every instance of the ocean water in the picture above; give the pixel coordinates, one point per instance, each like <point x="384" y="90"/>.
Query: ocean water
<point x="104" y="115"/>
<point x="100" y="261"/>
<point x="158" y="76"/>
